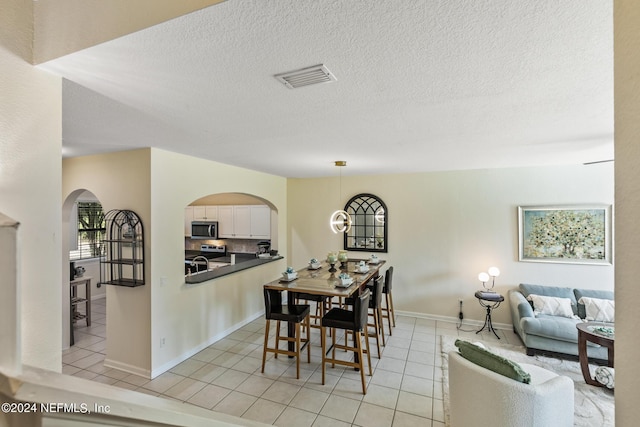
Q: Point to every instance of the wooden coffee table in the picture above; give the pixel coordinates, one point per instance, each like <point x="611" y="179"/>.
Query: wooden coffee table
<point x="586" y="333"/>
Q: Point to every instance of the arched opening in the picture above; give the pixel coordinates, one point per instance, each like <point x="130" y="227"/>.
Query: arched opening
<point x="83" y="299"/>
<point x="244" y="226"/>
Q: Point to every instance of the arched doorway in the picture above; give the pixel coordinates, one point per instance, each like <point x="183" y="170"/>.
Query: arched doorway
<point x="83" y="305"/>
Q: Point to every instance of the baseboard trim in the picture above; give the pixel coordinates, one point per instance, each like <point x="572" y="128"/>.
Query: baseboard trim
<point x="184" y="356"/>
<point x="467" y="322"/>
<point x="127" y="368"/>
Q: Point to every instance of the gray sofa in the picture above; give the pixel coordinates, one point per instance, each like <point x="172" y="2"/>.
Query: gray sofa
<point x="547" y="333"/>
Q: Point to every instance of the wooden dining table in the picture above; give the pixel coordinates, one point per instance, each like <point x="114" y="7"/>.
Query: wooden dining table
<point x="323" y="282"/>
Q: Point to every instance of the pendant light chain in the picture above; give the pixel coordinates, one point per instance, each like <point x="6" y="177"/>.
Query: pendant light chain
<point x="340" y="221"/>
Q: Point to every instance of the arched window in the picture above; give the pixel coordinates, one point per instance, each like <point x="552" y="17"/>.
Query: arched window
<point x="369" y="229"/>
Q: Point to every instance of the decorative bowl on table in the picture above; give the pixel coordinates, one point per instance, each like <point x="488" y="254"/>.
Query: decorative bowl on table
<point x="374" y="259"/>
<point x="290" y="274"/>
<point x="362" y="267"/>
<point x="314" y="264"/>
<point x="345" y="280"/>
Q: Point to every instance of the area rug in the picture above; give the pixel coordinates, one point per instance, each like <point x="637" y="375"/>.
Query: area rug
<point x="594" y="406"/>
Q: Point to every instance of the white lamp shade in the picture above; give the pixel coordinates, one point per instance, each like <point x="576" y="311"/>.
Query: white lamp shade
<point x="483" y="277"/>
<point x="494" y="272"/>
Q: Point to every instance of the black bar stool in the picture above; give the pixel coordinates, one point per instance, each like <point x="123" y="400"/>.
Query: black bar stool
<point x="375" y="304"/>
<point x="296" y="313"/>
<point x="387" y="309"/>
<point x="355" y="321"/>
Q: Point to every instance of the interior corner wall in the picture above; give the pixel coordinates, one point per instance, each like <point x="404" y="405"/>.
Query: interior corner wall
<point x="446" y="227"/>
<point x="121" y="181"/>
<point x="187" y="318"/>
<point x="30" y="147"/>
<point x="627" y="177"/>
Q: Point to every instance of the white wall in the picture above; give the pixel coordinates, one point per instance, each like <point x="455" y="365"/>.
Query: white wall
<point x="627" y="176"/>
<point x="120" y="181"/>
<point x="446" y="227"/>
<point x="157" y="185"/>
<point x="30" y="145"/>
<point x="191" y="316"/>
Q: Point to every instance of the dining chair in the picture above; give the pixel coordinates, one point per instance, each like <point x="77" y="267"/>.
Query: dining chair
<point x="296" y="313"/>
<point x="349" y="320"/>
<point x="387" y="308"/>
<point x="375" y="303"/>
<point x="323" y="304"/>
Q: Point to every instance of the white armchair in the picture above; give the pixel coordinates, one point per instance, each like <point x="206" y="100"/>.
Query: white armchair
<point x="480" y="397"/>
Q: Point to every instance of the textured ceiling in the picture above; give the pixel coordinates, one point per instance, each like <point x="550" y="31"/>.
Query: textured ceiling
<point x="422" y="85"/>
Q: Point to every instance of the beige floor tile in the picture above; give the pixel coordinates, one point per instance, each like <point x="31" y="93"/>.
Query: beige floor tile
<point x="208" y="373"/>
<point x="230" y="379"/>
<point x="322" y="421"/>
<point x="185" y="389"/>
<point x="387" y="378"/>
<point x="77" y="354"/>
<point x="207" y="355"/>
<point x="136" y="380"/>
<point x="163" y="382"/>
<point x="415" y="404"/>
<point x="293" y="417"/>
<point x="381" y="396"/>
<point x="402" y="419"/>
<point x="438" y="410"/>
<point x="264" y="411"/>
<point x="393" y="365"/>
<point x="373" y="416"/>
<point x="396" y="353"/>
<point x="114" y="373"/>
<point x="255" y="385"/>
<point x="281" y="392"/>
<point x="209" y="396"/>
<point x="309" y="400"/>
<point x="248" y="365"/>
<point x="420" y="370"/>
<point x="227" y="359"/>
<point x="235" y="403"/>
<point x="340" y="408"/>
<point x="85" y="362"/>
<point x="70" y="370"/>
<point x="417" y="385"/>
<point x="187" y="367"/>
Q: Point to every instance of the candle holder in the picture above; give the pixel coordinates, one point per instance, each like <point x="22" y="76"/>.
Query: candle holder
<point x="343" y="258"/>
<point x="333" y="267"/>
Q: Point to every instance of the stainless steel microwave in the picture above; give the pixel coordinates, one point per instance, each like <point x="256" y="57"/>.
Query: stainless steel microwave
<point x="204" y="230"/>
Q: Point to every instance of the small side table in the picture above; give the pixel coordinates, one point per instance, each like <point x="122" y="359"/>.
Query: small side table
<point x="74" y="300"/>
<point x="489" y="300"/>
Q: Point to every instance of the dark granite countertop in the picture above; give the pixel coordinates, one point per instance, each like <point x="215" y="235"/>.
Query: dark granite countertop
<point x="243" y="262"/>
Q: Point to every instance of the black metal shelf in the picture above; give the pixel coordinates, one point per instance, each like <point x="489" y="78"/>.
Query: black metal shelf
<point x="123" y="263"/>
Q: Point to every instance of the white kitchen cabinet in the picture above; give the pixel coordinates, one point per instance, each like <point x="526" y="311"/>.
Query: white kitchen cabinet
<point x="205" y="213"/>
<point x="260" y="222"/>
<point x="188" y="217"/>
<point x="244" y="222"/>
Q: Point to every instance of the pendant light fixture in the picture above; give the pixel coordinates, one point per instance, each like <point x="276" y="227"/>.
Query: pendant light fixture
<point x="340" y="221"/>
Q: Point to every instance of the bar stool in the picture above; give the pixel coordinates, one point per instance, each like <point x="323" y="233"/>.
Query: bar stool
<point x="355" y="321"/>
<point x="387" y="309"/>
<point x="274" y="310"/>
<point x="375" y="304"/>
<point x="323" y="303"/>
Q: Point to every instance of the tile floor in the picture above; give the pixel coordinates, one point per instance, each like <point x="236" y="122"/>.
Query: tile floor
<point x="405" y="389"/>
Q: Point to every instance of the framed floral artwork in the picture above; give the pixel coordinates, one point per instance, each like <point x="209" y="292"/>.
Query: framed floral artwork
<point x="576" y="234"/>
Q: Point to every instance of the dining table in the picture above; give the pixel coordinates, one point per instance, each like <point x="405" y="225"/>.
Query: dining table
<point x="322" y="281"/>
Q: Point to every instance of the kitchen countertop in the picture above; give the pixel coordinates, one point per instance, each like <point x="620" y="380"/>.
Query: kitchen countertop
<point x="243" y="262"/>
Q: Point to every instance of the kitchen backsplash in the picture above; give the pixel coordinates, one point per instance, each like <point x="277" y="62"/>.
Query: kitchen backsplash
<point x="233" y="245"/>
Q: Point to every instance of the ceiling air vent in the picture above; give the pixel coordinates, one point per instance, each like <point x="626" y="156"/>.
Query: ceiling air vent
<point x="306" y="76"/>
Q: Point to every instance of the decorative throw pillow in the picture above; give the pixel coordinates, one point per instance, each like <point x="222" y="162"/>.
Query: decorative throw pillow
<point x="553" y="306"/>
<point x="493" y="362"/>
<point x="599" y="310"/>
